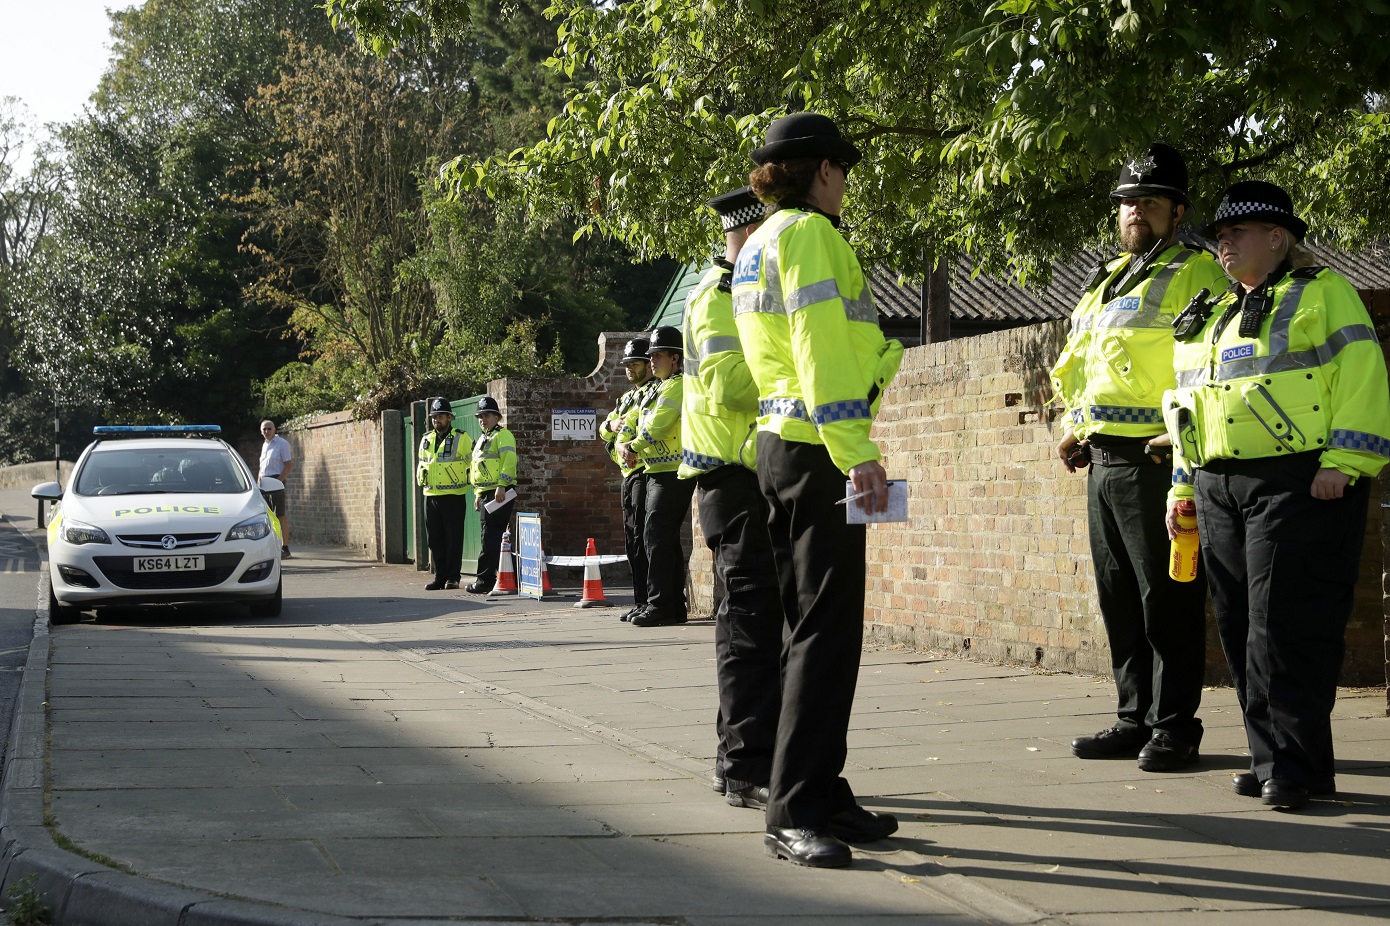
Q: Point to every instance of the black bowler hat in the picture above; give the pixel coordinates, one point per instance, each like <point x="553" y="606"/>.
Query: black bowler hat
<point x="806" y="135"/>
<point x="1256" y="201"/>
<point x="738" y="208"/>
<point x="1157" y="171"/>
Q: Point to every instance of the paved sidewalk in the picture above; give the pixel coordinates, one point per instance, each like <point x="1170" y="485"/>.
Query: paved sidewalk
<point x="386" y="754"/>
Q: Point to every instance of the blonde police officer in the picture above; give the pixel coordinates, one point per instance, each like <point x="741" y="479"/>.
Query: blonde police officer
<point x="718" y="451"/>
<point x="494" y="473"/>
<point x="621" y="427"/>
<point x="442" y="473"/>
<point x="810" y="335"/>
<point x="1280" y="418"/>
<point x="1110" y="376"/>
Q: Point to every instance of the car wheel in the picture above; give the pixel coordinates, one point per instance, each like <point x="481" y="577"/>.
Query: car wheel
<point x="59" y="613"/>
<point x="271" y="606"/>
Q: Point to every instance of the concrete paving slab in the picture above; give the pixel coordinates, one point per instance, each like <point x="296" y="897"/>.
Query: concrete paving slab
<point x="1294" y="880"/>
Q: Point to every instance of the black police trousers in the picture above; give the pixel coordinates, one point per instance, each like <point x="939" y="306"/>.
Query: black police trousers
<point x="747" y="624"/>
<point x="668" y="507"/>
<point x="495" y="524"/>
<point x="444" y="516"/>
<point x="1156" y="626"/>
<point x="634" y="515"/>
<point x="1283" y="569"/>
<point x="820" y="575"/>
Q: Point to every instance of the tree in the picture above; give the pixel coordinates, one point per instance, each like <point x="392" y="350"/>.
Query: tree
<point x="995" y="131"/>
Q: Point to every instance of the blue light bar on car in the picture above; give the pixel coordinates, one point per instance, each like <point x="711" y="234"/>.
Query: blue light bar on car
<point x="124" y="430"/>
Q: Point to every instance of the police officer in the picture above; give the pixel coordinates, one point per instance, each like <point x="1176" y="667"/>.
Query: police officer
<point x="1281" y="413"/>
<point x="810" y="335"/>
<point x="1110" y="378"/>
<point x="494" y="473"/>
<point x="442" y="471"/>
<point x="719" y="452"/>
<point x="621" y="426"/>
<point x="657" y="445"/>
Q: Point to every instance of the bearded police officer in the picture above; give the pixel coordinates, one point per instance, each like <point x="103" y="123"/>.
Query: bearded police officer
<point x="621" y="427"/>
<point x="809" y="332"/>
<point x="1110" y="377"/>
<point x="494" y="474"/>
<point x="1280" y="420"/>
<point x="442" y="472"/>
<point x="657" y="445"/>
<point x="718" y="451"/>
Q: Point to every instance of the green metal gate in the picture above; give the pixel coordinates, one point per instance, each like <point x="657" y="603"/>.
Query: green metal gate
<point x="414" y="426"/>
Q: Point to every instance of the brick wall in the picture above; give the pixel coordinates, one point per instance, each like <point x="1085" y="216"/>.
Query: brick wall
<point x="334" y="490"/>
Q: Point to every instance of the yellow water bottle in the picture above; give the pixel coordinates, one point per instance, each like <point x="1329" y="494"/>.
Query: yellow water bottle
<point x="1183" y="551"/>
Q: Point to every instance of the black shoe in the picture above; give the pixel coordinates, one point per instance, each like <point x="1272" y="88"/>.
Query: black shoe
<point x="717" y="782"/>
<point x="1284" y="794"/>
<point x="477" y="588"/>
<point x="1247" y="784"/>
<point x="284" y="552"/>
<point x="434" y="586"/>
<point x="860" y="825"/>
<point x="451" y="584"/>
<point x="651" y="617"/>
<point x="753" y="797"/>
<point x="814" y="848"/>
<point x="1114" y="743"/>
<point x="1166" y="753"/>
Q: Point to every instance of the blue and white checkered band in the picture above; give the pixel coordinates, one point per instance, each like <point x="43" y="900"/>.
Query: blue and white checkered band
<point x="742" y="216"/>
<point x="1141" y="165"/>
<point x="1230" y="210"/>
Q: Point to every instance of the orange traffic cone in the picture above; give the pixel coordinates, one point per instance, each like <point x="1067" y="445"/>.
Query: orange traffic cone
<point x="593" y="583"/>
<point x="506" y="573"/>
<point x="546" y="590"/>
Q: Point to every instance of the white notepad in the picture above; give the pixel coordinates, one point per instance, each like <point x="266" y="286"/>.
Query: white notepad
<point x="897" y="505"/>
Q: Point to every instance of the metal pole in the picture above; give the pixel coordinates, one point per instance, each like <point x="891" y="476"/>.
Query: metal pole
<point x="57" y="469"/>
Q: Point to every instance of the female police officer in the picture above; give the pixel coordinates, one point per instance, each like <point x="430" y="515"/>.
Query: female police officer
<point x="1280" y="418"/>
<point x="810" y="335"/>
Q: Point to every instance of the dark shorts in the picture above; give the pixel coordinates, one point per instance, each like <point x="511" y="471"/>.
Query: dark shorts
<point x="276" y="501"/>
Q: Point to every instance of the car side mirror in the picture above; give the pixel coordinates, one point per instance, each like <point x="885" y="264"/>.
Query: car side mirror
<point x="47" y="491"/>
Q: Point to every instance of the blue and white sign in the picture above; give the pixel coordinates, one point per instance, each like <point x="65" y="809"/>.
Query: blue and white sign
<point x="1124" y="304"/>
<point x="528" y="555"/>
<point x="573" y="424"/>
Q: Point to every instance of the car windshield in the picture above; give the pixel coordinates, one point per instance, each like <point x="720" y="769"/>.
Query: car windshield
<point x="149" y="471"/>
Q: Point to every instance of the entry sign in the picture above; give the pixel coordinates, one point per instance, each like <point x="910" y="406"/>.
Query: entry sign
<point x="528" y="555"/>
<point x="573" y="424"/>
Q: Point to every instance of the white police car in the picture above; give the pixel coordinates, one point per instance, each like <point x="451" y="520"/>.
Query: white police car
<point x="160" y="513"/>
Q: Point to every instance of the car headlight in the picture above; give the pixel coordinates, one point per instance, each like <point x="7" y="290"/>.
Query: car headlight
<point x="251" y="529"/>
<point x="77" y="532"/>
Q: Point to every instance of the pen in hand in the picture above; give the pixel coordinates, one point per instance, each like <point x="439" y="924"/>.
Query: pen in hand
<point x="846" y="500"/>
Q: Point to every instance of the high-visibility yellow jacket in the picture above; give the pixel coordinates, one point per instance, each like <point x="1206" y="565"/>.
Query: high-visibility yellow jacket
<point x="494" y="460"/>
<point x="810" y="335"/>
<point x="720" y="405"/>
<point x="443" y="462"/>
<point x="1118" y="359"/>
<point x="658" y="440"/>
<point x="1313" y="379"/>
<point x="621" y="424"/>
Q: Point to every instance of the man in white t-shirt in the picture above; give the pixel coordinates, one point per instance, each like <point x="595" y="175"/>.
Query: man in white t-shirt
<point x="276" y="464"/>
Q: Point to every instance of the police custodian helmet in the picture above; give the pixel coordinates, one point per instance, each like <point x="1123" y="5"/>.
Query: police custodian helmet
<point x="488" y="404"/>
<point x="440" y="406"/>
<point x="637" y="349"/>
<point x="667" y="337"/>
<point x="1158" y="171"/>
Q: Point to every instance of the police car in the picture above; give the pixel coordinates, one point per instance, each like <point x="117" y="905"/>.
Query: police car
<point x="165" y="513"/>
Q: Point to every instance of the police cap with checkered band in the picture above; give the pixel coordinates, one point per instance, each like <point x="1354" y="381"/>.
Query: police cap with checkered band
<point x="738" y="208"/>
<point x="1256" y="201"/>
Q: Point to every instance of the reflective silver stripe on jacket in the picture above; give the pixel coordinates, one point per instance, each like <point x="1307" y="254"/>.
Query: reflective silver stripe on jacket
<point x="1132" y="311"/>
<point x="720" y="344"/>
<point x="1280" y="358"/>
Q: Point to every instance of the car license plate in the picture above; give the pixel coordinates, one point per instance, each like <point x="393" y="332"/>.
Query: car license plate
<point x="168" y="564"/>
